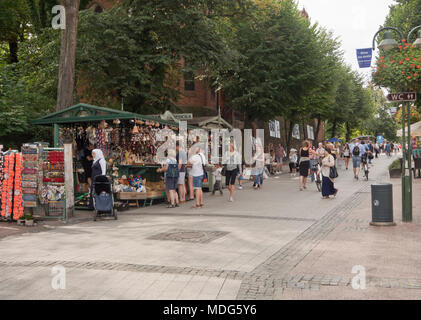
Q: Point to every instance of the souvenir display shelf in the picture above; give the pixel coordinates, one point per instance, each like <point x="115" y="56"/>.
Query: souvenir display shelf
<point x="11" y="187"/>
<point x="31" y="174"/>
<point x="1" y="174"/>
<point x="52" y="195"/>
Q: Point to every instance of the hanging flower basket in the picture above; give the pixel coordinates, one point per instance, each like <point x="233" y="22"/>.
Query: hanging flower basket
<point x="400" y="70"/>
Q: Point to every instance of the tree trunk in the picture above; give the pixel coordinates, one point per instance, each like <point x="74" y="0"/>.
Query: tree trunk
<point x="289" y="135"/>
<point x="13" y="51"/>
<point x="319" y="122"/>
<point x="348" y="132"/>
<point x="334" y="128"/>
<point x="66" y="77"/>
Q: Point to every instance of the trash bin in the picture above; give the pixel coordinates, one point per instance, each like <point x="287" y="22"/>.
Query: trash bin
<point x="382" y="204"/>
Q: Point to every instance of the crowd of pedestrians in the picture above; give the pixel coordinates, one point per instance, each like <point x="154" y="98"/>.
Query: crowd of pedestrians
<point x="184" y="177"/>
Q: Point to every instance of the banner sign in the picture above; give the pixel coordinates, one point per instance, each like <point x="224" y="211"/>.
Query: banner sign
<point x="364" y="57"/>
<point x="296" y="132"/>
<point x="380" y="139"/>
<point x="275" y="129"/>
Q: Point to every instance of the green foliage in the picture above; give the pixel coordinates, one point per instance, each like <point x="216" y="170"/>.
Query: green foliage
<point x="395" y="165"/>
<point x="404" y="15"/>
<point x="279" y="63"/>
<point x="28" y="89"/>
<point x="269" y="60"/>
<point x="137" y="56"/>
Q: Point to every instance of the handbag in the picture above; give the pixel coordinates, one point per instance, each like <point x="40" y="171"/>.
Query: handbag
<point x="333" y="173"/>
<point x="224" y="171"/>
<point x="205" y="174"/>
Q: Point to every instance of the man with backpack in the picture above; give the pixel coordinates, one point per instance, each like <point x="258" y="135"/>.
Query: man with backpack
<point x="357" y="151"/>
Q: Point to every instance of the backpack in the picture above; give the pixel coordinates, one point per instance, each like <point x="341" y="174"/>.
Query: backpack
<point x="173" y="171"/>
<point x="356" y="151"/>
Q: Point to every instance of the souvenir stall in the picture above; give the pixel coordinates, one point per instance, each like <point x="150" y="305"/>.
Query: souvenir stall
<point x="128" y="142"/>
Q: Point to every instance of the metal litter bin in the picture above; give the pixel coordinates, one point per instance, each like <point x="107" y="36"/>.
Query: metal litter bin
<point x="382" y="204"/>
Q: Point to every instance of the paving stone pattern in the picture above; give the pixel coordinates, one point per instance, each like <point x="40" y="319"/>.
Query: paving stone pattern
<point x="226" y="274"/>
<point x="265" y="280"/>
<point x="269" y="279"/>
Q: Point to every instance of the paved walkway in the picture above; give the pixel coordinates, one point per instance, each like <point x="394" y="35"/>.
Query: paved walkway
<point x="277" y="243"/>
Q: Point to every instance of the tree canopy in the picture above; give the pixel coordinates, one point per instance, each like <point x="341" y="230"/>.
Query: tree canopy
<point x="269" y="59"/>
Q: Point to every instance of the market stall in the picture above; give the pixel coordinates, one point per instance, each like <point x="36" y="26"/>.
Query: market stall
<point x="128" y="141"/>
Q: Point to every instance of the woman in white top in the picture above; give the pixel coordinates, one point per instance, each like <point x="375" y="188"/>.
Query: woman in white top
<point x="328" y="188"/>
<point x="196" y="163"/>
<point x="347" y="155"/>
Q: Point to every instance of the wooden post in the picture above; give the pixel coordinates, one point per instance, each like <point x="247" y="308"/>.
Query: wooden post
<point x="68" y="177"/>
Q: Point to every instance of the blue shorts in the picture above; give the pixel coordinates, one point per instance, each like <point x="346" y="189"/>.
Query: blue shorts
<point x="198" y="182"/>
<point x="356" y="161"/>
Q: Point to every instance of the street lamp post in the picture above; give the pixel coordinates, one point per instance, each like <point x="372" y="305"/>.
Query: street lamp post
<point x="389" y="43"/>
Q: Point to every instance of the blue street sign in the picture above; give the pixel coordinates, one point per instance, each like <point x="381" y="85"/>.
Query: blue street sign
<point x="364" y="57"/>
<point x="380" y="139"/>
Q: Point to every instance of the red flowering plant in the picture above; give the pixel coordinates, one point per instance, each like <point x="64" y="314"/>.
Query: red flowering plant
<point x="400" y="70"/>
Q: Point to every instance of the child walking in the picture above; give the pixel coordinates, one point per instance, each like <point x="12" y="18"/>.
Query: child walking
<point x="293" y="159"/>
<point x="218" y="180"/>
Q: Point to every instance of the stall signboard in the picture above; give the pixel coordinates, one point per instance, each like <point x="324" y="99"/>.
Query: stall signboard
<point x="278" y="129"/>
<point x="310" y="132"/>
<point x="272" y="131"/>
<point x="183" y="116"/>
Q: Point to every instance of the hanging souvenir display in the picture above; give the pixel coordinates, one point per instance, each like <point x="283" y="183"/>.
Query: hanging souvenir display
<point x="52" y="192"/>
<point x="11" y="190"/>
<point x="32" y="170"/>
<point x="1" y="170"/>
<point x="17" y="199"/>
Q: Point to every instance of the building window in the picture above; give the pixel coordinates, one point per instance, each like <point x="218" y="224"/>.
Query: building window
<point x="189" y="84"/>
<point x="212" y="95"/>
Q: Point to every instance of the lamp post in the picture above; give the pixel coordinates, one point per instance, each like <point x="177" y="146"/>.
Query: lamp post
<point x="389" y="43"/>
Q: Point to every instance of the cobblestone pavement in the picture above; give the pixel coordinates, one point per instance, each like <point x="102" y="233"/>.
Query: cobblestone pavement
<point x="261" y="247"/>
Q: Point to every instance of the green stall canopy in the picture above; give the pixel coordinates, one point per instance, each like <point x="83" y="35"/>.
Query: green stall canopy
<point x="88" y="113"/>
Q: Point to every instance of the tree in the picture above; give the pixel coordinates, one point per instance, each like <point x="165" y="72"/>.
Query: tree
<point x="277" y="67"/>
<point x="14" y="18"/>
<point x="139" y="53"/>
<point x="404" y="15"/>
<point x="382" y="122"/>
<point x="66" y="76"/>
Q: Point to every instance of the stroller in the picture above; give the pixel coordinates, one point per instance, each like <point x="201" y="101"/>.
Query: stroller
<point x="103" y="198"/>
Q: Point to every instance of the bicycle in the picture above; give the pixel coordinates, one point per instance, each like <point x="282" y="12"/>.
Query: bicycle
<point x="317" y="175"/>
<point x="365" y="167"/>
